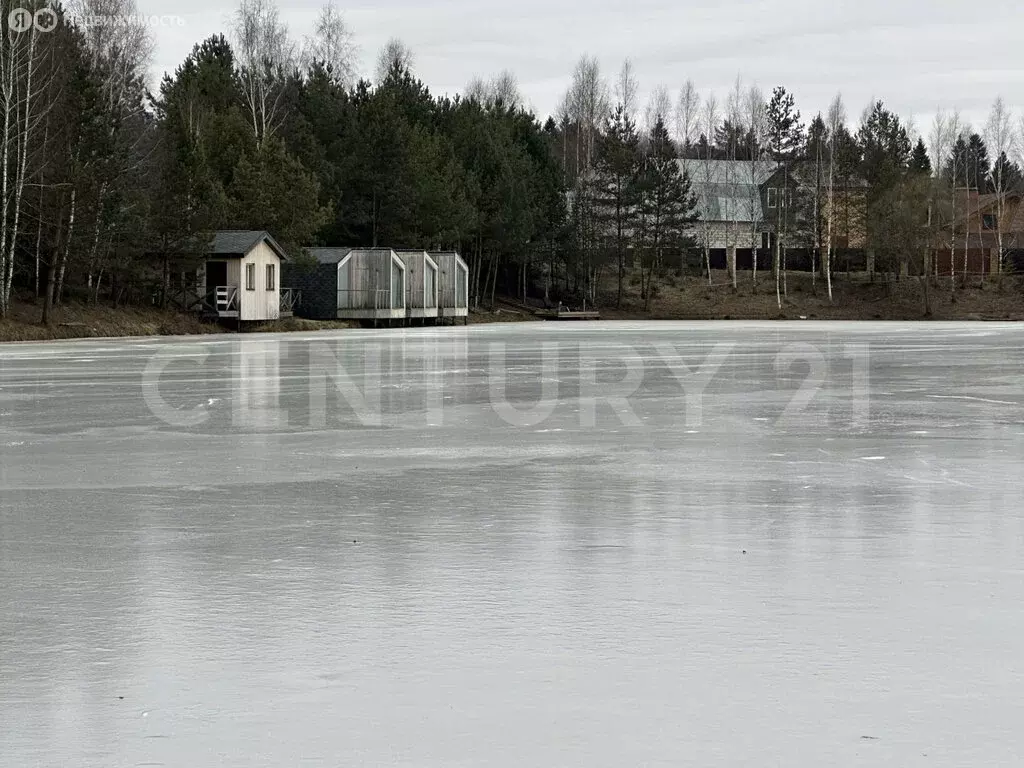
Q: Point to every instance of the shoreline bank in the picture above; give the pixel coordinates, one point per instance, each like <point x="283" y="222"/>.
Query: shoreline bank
<point x="680" y="300"/>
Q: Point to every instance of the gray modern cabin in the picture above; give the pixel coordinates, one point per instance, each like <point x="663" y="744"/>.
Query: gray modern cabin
<point x="352" y="284"/>
<point x="453" y="295"/>
<point x="421" y="284"/>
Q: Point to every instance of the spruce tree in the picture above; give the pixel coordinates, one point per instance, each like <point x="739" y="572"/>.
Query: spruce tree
<point x="978" y="164"/>
<point x="920" y="163"/>
<point x="1010" y="174"/>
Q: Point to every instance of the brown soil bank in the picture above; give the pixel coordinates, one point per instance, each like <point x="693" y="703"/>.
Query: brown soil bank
<point x="74" y="321"/>
<point x="853" y="298"/>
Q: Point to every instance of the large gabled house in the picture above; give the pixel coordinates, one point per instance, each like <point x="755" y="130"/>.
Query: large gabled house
<point x="980" y="227"/>
<point x="732" y="196"/>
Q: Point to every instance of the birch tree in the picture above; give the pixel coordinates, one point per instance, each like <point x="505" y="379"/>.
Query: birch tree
<point x="834" y="122"/>
<point x="1019" y="139"/>
<point x="119" y="55"/>
<point x="687" y="116"/>
<point x="501" y="90"/>
<point x="331" y="46"/>
<point x="708" y="124"/>
<point x="954" y="133"/>
<point x="938" y="147"/>
<point x="266" y="57"/>
<point x="588" y="107"/>
<point x="817" y="139"/>
<point x="734" y="114"/>
<point x="504" y="90"/>
<point x="22" y="51"/>
<point x="938" y="141"/>
<point x="659" y="108"/>
<point x="626" y="87"/>
<point x="753" y="113"/>
<point x="394" y="55"/>
<point x="999" y="136"/>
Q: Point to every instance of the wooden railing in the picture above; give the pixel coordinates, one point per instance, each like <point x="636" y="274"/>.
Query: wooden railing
<point x="381" y="298"/>
<point x="224" y="298"/>
<point x="290" y="298"/>
<point x="184" y="299"/>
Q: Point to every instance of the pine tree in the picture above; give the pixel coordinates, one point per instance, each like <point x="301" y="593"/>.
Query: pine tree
<point x="272" y="190"/>
<point x="667" y="202"/>
<point x="616" y="185"/>
<point x="885" y="148"/>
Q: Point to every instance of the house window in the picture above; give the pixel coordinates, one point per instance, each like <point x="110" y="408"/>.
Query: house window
<point x="250" y="277"/>
<point x="271" y="285"/>
<point x="988" y="221"/>
<point x="773" y="197"/>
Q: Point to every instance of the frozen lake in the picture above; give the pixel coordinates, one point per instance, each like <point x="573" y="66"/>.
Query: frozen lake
<point x="774" y="545"/>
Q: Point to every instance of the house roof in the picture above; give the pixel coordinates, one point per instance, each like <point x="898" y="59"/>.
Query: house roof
<point x="238" y="242"/>
<point x="805" y="172"/>
<point x="728" y="190"/>
<point x="971" y="204"/>
<point x="328" y="255"/>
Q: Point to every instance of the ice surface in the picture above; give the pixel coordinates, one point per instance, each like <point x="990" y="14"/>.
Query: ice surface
<point x="778" y="544"/>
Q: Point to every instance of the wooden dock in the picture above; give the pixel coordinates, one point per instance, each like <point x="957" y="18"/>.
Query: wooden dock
<point x="568" y="314"/>
<point x="562" y="313"/>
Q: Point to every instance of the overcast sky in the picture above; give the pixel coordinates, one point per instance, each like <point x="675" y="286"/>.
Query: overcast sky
<point x="916" y="55"/>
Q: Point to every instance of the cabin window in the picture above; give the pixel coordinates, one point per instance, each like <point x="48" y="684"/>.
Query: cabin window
<point x="271" y="285"/>
<point x="988" y="221"/>
<point x="773" y="197"/>
<point x="250" y="277"/>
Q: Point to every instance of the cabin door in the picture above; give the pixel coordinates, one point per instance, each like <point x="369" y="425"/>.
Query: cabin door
<point x="216" y="274"/>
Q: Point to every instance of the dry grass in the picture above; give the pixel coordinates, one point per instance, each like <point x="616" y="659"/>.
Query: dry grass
<point x="73" y="321"/>
<point x="299" y="324"/>
<point x="76" y="321"/>
<point x="500" y="315"/>
<point x="675" y="298"/>
<point x="854" y="298"/>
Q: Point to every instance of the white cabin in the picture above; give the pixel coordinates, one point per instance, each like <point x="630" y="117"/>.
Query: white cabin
<point x="240" y="277"/>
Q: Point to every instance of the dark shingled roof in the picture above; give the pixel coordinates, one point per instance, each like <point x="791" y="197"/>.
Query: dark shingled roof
<point x="328" y="255"/>
<point x="238" y="242"/>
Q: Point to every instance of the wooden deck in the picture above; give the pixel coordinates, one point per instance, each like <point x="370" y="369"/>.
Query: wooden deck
<point x="568" y="314"/>
<point x="563" y="313"/>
